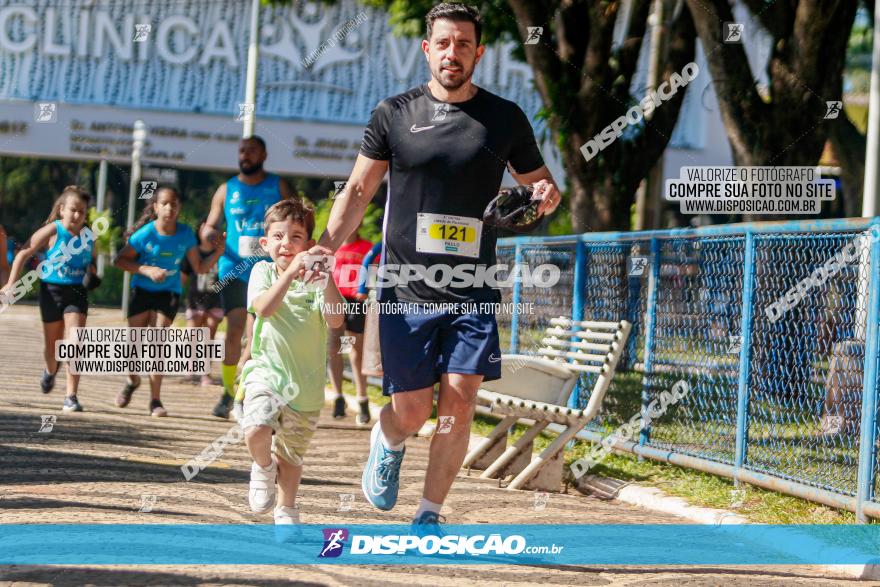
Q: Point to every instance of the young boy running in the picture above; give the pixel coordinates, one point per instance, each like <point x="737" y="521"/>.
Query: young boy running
<point x="294" y="304"/>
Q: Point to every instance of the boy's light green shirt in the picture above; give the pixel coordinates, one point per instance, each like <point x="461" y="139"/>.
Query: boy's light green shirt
<point x="289" y="348"/>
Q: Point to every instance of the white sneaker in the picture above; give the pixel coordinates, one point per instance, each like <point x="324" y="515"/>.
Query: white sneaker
<point x="286" y="515"/>
<point x="238" y="412"/>
<point x="287" y="526"/>
<point x="261" y="490"/>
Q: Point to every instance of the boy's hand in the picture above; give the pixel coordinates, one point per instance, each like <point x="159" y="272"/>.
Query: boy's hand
<point x="156" y="274"/>
<point x="298" y="269"/>
<point x="319" y="269"/>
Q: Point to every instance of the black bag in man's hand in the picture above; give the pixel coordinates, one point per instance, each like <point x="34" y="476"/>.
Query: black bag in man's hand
<point x="514" y="209"/>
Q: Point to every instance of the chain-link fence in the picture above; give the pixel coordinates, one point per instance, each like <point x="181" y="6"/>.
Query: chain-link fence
<point x="769" y="324"/>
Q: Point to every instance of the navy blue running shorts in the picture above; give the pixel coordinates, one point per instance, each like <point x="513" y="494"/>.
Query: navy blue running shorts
<point x="417" y="347"/>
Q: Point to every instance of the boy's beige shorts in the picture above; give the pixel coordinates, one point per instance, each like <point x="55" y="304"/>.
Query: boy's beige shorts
<point x="293" y="430"/>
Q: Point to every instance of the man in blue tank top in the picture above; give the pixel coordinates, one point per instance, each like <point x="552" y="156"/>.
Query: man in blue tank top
<point x="240" y="204"/>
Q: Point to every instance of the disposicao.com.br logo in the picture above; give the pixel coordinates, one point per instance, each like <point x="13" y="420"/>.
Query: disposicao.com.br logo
<point x="450" y="544"/>
<point x="334" y="539"/>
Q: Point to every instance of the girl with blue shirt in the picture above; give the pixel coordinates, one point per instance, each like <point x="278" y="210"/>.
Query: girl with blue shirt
<point x="157" y="245"/>
<point x="62" y="296"/>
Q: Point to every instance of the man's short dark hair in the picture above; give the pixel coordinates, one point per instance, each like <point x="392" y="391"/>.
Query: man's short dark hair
<point x="457" y="13"/>
<point x="257" y="139"/>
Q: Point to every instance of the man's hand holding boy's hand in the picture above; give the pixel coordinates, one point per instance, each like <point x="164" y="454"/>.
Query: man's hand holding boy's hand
<point x="303" y="266"/>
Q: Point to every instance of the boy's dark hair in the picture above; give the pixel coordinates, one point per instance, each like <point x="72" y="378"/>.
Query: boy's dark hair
<point x="455" y="12"/>
<point x="294" y="209"/>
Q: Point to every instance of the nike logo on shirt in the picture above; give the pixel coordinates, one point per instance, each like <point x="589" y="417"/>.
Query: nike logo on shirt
<point x="415" y="128"/>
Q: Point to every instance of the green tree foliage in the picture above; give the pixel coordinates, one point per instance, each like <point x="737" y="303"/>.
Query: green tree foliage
<point x="371" y="226"/>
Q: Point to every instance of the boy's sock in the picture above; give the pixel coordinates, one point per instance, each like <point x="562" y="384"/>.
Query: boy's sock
<point x="427" y="506"/>
<point x="227" y="372"/>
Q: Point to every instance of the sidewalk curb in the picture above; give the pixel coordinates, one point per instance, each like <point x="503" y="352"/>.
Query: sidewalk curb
<point x="654" y="499"/>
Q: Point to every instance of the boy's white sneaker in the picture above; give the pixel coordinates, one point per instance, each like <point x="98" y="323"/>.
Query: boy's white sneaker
<point x="261" y="490"/>
<point x="286" y="515"/>
<point x="287" y="526"/>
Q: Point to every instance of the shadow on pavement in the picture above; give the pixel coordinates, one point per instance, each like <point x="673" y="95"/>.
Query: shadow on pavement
<point x="67" y="576"/>
<point x="33" y="503"/>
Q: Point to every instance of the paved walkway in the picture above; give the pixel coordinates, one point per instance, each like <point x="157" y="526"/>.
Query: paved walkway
<point x="97" y="465"/>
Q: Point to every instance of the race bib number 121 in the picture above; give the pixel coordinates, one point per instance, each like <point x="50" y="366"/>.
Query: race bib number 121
<point x="448" y="235"/>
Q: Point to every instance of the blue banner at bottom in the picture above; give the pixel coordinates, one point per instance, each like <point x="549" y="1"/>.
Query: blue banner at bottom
<point x="637" y="544"/>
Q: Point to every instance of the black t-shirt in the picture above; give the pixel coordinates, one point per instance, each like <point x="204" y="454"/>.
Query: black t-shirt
<point x="446" y="159"/>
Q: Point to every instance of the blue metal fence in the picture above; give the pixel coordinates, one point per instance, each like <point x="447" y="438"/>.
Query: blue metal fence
<point x="788" y="404"/>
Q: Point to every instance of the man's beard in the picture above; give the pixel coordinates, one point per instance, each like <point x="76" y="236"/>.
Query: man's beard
<point x="250" y="169"/>
<point x="448" y="84"/>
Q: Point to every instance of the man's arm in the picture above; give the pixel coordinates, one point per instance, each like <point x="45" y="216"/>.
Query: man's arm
<point x="544" y="184"/>
<point x="210" y="229"/>
<point x="349" y="208"/>
<point x="37" y="241"/>
<point x="333" y="304"/>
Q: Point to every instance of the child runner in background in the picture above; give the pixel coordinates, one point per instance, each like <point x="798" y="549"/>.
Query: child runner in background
<point x="63" y="301"/>
<point x="348" y="264"/>
<point x="203" y="304"/>
<point x="156" y="247"/>
<point x="4" y="260"/>
<point x="284" y="379"/>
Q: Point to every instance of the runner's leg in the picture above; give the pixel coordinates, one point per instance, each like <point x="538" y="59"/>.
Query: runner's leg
<point x="289" y="476"/>
<point x="458" y="395"/>
<point x="245" y="357"/>
<point x="236" y="321"/>
<point x="194" y="319"/>
<point x="406" y="413"/>
<point x="356" y="359"/>
<point x="141" y="320"/>
<point x="334" y="359"/>
<point x="259" y="444"/>
<point x="248" y="337"/>
<point x="334" y="369"/>
<point x="52" y="332"/>
<point x="162" y="321"/>
<point x="72" y="320"/>
<point x="212" y="321"/>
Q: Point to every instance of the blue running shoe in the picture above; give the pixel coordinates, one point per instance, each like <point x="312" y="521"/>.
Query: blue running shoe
<point x="71" y="404"/>
<point x="380" y="481"/>
<point x="47" y="381"/>
<point x="428" y="524"/>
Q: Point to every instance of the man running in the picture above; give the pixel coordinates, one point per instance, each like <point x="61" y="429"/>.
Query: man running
<point x="241" y="203"/>
<point x="445" y="144"/>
